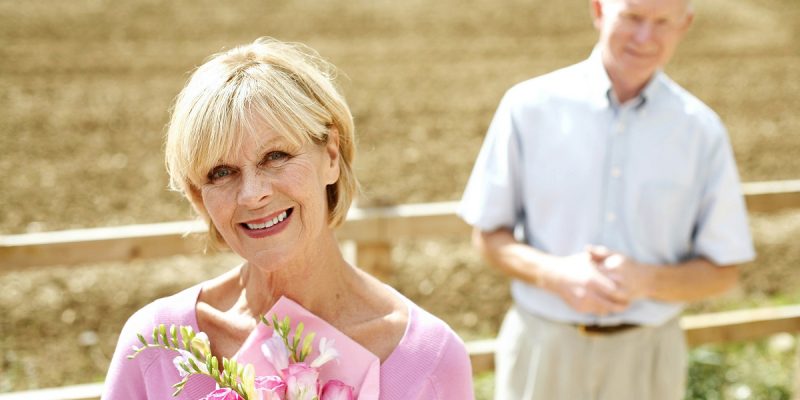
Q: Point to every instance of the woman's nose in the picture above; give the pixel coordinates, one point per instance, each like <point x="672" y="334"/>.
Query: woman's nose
<point x="255" y="190"/>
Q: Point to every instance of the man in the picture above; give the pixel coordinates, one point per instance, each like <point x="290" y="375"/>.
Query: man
<point x="610" y="195"/>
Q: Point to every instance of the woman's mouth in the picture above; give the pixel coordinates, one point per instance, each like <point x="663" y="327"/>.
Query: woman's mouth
<point x="268" y="226"/>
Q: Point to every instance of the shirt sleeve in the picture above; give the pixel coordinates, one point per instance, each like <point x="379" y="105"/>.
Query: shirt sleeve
<point x="452" y="378"/>
<point x="722" y="234"/>
<point x="125" y="378"/>
<point x="492" y="196"/>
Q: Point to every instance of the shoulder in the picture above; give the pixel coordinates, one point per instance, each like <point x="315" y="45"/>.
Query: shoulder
<point x="177" y="309"/>
<point x="131" y="378"/>
<point x="447" y="350"/>
<point x="431" y="355"/>
<point x="674" y="98"/>
<point x="567" y="84"/>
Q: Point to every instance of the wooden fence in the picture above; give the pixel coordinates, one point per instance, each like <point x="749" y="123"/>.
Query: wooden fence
<point x="372" y="231"/>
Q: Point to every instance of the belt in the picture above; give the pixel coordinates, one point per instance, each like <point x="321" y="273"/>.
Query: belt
<point x="604" y="330"/>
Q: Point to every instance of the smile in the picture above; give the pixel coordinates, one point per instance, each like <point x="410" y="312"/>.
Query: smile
<point x="270" y="223"/>
<point x="266" y="225"/>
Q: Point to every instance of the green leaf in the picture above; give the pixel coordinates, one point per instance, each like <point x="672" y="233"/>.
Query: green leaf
<point x="173" y="331"/>
<point x="297" y="334"/>
<point x="309" y="339"/>
<point x="163" y="330"/>
<point x="179" y="386"/>
<point x="184" y="336"/>
<point x="286" y="325"/>
<point x="194" y="365"/>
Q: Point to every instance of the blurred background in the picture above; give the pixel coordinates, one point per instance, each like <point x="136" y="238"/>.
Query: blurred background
<point x="85" y="92"/>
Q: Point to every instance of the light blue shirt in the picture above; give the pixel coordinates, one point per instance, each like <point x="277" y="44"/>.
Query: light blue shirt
<point x="653" y="178"/>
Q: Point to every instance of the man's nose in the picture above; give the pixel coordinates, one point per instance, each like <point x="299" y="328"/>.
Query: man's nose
<point x="645" y="31"/>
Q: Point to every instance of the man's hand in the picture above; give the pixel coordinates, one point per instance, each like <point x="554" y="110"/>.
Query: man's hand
<point x="578" y="280"/>
<point x="631" y="276"/>
<point x="691" y="280"/>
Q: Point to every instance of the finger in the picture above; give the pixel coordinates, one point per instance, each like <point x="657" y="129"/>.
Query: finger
<point x="598" y="253"/>
<point x="610" y="290"/>
<point x="604" y="306"/>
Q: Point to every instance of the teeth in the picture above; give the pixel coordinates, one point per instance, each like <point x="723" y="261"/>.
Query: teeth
<point x="268" y="224"/>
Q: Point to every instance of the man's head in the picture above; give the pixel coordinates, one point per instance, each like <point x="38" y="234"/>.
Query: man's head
<point x="639" y="36"/>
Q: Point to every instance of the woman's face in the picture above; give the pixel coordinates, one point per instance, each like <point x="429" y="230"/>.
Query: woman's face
<point x="268" y="201"/>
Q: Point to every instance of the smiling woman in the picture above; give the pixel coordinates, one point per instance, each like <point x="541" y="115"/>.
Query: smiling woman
<point x="261" y="143"/>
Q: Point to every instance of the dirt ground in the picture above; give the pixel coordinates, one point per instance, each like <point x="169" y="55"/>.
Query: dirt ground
<point x="86" y="85"/>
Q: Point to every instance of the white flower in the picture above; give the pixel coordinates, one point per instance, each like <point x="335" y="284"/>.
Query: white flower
<point x="275" y="351"/>
<point x="326" y="353"/>
<point x="200" y="343"/>
<point x="184" y="358"/>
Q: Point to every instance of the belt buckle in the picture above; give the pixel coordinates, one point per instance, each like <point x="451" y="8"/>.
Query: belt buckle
<point x="583" y="331"/>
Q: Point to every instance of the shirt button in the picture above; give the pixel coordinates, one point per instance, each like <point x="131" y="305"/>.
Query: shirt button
<point x="611" y="217"/>
<point x="619" y="128"/>
<point x="616" y="172"/>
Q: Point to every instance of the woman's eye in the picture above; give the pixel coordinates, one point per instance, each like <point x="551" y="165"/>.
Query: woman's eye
<point x="274" y="156"/>
<point x="218" y="173"/>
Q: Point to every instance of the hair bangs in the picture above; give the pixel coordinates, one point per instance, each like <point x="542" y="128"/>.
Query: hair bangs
<point x="276" y="99"/>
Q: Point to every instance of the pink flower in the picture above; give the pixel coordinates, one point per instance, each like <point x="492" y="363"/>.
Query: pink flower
<point x="270" y="387"/>
<point x="301" y="382"/>
<point x="336" y="390"/>
<point x="223" y="394"/>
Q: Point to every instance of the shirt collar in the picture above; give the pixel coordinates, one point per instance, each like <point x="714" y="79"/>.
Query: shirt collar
<point x="600" y="84"/>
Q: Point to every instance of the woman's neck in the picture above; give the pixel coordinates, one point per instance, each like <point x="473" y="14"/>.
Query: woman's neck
<point x="315" y="281"/>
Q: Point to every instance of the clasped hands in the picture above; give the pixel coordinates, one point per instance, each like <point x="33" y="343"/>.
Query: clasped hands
<point x="597" y="280"/>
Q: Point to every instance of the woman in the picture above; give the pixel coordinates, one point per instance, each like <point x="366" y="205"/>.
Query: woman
<point x="262" y="144"/>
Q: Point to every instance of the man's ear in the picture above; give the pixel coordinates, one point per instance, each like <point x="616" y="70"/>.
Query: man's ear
<point x="332" y="151"/>
<point x="597" y="13"/>
<point x="689" y="18"/>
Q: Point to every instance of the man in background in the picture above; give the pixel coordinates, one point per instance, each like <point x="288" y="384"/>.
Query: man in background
<point x="610" y="196"/>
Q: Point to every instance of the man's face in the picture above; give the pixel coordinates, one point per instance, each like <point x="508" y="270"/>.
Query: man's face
<point x="639" y="36"/>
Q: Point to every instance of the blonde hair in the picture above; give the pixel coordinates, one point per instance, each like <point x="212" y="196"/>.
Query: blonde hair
<point x="287" y="86"/>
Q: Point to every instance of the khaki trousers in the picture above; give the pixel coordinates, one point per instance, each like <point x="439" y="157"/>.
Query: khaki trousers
<point x="544" y="360"/>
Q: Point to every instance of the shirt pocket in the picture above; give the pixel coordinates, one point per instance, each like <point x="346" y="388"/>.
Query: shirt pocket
<point x="664" y="218"/>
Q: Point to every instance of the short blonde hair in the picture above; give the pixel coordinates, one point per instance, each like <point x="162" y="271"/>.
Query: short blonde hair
<point x="286" y="85"/>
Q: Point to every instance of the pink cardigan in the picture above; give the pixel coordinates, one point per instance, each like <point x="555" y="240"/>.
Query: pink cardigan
<point x="430" y="362"/>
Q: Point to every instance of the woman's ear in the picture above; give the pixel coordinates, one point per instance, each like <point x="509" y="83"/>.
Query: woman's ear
<point x="332" y="152"/>
<point x="195" y="197"/>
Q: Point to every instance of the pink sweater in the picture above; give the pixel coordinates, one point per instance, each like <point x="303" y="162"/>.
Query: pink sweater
<point x="430" y="362"/>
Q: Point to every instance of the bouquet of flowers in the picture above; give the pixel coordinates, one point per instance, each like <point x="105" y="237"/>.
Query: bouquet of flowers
<point x="286" y="351"/>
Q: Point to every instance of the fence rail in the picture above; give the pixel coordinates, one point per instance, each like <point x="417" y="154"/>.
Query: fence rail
<point x="371" y="229"/>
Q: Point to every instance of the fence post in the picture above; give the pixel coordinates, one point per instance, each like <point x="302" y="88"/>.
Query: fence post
<point x="796" y="375"/>
<point x="375" y="258"/>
